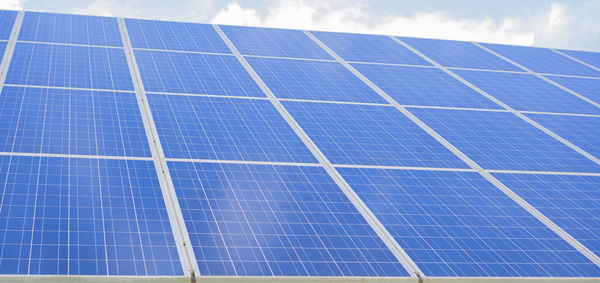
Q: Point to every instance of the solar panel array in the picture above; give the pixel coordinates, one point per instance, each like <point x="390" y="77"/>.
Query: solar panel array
<point x="150" y="148"/>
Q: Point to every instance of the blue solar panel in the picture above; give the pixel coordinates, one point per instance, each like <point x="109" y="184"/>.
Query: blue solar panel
<point x="83" y="217"/>
<point x="458" y="224"/>
<point x="461" y="54"/>
<point x="590" y="88"/>
<point x="223" y="128"/>
<point x="369" y="48"/>
<point x="2" y="48"/>
<point x="7" y="20"/>
<point x="572" y="202"/>
<point x="274" y="42"/>
<point x="76" y="29"/>
<point x="40" y="120"/>
<point x="423" y="86"/>
<point x="373" y="135"/>
<point x="542" y="60"/>
<point x="267" y="220"/>
<point x="178" y="72"/>
<point x="592" y="58"/>
<point x="583" y="131"/>
<point x="315" y="80"/>
<point x="527" y="92"/>
<point x="69" y="66"/>
<point x="174" y="36"/>
<point x="500" y="140"/>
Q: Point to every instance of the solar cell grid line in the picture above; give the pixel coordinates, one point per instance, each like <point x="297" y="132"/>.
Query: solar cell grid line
<point x="398" y="252"/>
<point x="580" y="130"/>
<point x="543" y="77"/>
<point x="369" y="135"/>
<point x="462" y="54"/>
<point x="507" y="107"/>
<point x="164" y="35"/>
<point x="590" y="88"/>
<point x="538" y="60"/>
<point x="194" y="73"/>
<point x="9" y="48"/>
<point x="313" y="80"/>
<point x="181" y="237"/>
<point x="423" y="86"/>
<point x="459" y="224"/>
<point x="570" y="201"/>
<point x="273" y="42"/>
<point x="41" y="120"/>
<point x="64" y="216"/>
<point x="70" y="29"/>
<point x="273" y="220"/>
<point x="7" y="21"/>
<point x="526" y="92"/>
<point x="590" y="59"/>
<point x="564" y="235"/>
<point x="69" y="66"/>
<point x="368" y="48"/>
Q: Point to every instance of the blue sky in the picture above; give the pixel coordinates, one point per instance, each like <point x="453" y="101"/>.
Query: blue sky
<point x="560" y="24"/>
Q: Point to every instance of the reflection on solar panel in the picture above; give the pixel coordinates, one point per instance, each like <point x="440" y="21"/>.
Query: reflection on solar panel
<point x="461" y="54"/>
<point x="369" y="48"/>
<point x="458" y="224"/>
<point x="527" y="92"/>
<point x="174" y="36"/>
<point x="276" y="220"/>
<point x="166" y="151"/>
<point x="543" y="60"/>
<point x="62" y="28"/>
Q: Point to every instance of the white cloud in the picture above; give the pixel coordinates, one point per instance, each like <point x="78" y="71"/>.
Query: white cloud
<point x="107" y="8"/>
<point x="557" y="26"/>
<point x="12" y="4"/>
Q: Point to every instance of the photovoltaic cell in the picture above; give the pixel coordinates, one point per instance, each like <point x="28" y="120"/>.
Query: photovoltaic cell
<point x="369" y="48"/>
<point x="62" y="216"/>
<point x="459" y="224"/>
<point x="69" y="66"/>
<point x="2" y="48"/>
<point x="223" y="128"/>
<point x="592" y="58"/>
<point x="314" y="80"/>
<point x="461" y="54"/>
<point x="527" y="92"/>
<point x="423" y="86"/>
<point x="582" y="131"/>
<point x="7" y="20"/>
<point x="178" y="72"/>
<point x="274" y="42"/>
<point x="542" y="60"/>
<point x="590" y="88"/>
<point x="174" y="36"/>
<point x="266" y="220"/>
<point x="75" y="29"/>
<point x="40" y="120"/>
<point x="500" y="140"/>
<point x="572" y="202"/>
<point x="369" y="135"/>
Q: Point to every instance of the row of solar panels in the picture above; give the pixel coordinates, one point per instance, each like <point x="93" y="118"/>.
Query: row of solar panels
<point x="81" y="194"/>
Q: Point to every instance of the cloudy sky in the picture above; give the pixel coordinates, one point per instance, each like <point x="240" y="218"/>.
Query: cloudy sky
<point x="560" y="24"/>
